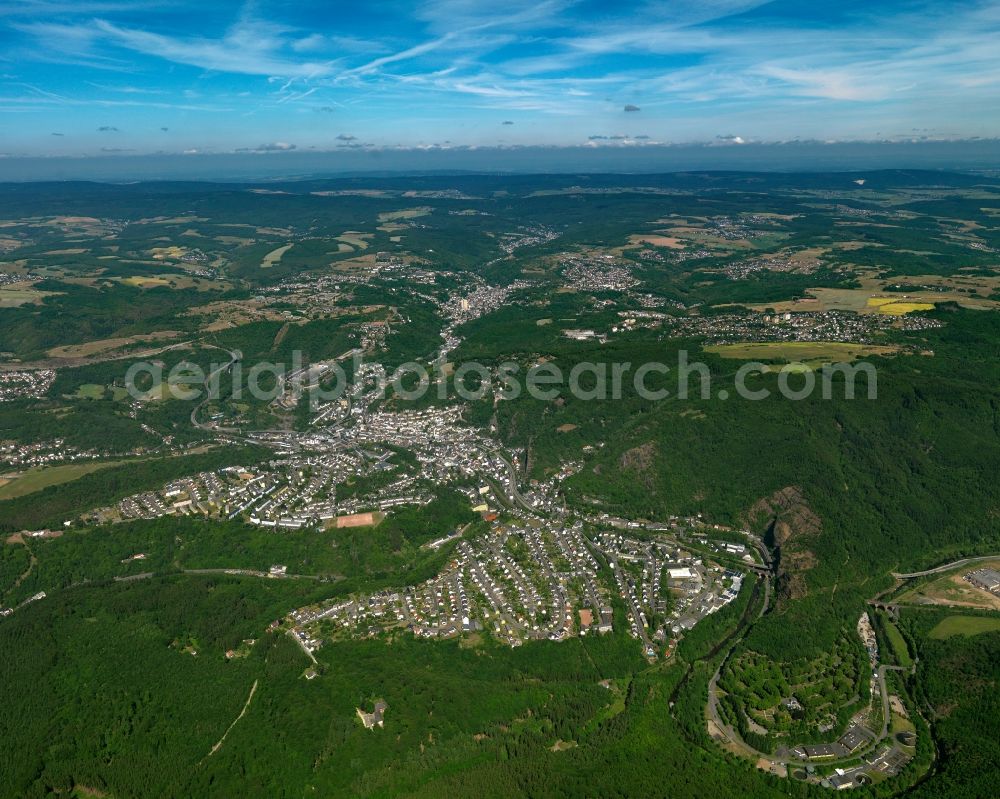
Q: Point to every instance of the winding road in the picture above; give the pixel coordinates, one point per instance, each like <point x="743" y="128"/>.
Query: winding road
<point x="734" y="737"/>
<point x="234" y="356"/>
<point x="946" y="567"/>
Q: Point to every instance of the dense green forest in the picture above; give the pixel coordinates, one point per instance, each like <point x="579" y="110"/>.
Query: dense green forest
<point x="956" y="682"/>
<point x="125" y="706"/>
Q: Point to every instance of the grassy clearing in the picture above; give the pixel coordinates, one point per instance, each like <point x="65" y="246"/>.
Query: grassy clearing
<point x="40" y="477"/>
<point x="15" y="297"/>
<point x="355" y="239"/>
<point x="275" y="256"/>
<point x="657" y="240"/>
<point x="165" y="253"/>
<point x="100" y="346"/>
<point x="165" y="390"/>
<point x="898" y="644"/>
<point x="964" y="625"/>
<point x="174" y="281"/>
<point x="799" y="351"/>
<point x="145" y="282"/>
<point x="407" y="213"/>
<point x="89" y="391"/>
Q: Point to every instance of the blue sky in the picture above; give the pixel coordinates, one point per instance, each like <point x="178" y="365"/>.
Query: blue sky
<point x="101" y="77"/>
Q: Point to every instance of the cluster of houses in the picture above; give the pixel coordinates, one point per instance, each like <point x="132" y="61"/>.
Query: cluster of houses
<point x="597" y="273"/>
<point x="804" y="326"/>
<point x="291" y="493"/>
<point x="302" y="489"/>
<point x="739" y="228"/>
<point x="9" y="278"/>
<point x="663" y="255"/>
<point x="483" y="298"/>
<point x="538" y="578"/>
<point x="376" y="718"/>
<point x="42" y="453"/>
<point x="470" y="303"/>
<point x="739" y="270"/>
<point x="25" y="383"/>
<point x="666" y="589"/>
<point x="519" y="582"/>
<point x="526" y="236"/>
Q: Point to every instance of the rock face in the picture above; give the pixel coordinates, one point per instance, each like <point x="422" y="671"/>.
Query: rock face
<point x="791" y="525"/>
<point x="640" y="461"/>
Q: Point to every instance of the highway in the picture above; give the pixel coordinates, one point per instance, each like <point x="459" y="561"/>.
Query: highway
<point x="514" y="491"/>
<point x="946" y="567"/>
<point x="234" y="356"/>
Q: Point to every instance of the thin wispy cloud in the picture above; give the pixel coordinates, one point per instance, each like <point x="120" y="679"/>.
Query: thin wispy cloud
<point x="441" y="70"/>
<point x="249" y="47"/>
<point x="403" y="55"/>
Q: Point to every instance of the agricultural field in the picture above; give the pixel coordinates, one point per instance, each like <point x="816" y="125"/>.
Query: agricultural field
<point x="275" y="256"/>
<point x="964" y="626"/>
<point x="37" y="478"/>
<point x="16" y="295"/>
<point x="814" y="352"/>
<point x="897" y="296"/>
<point x="406" y="213"/>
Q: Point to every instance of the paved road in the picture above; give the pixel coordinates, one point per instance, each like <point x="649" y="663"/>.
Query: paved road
<point x="234" y="356"/>
<point x="767" y="597"/>
<point x="885" y="697"/>
<point x="237" y="572"/>
<point x="734" y="737"/>
<point x="946" y="567"/>
<point x="515" y="492"/>
<point x="885" y="703"/>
